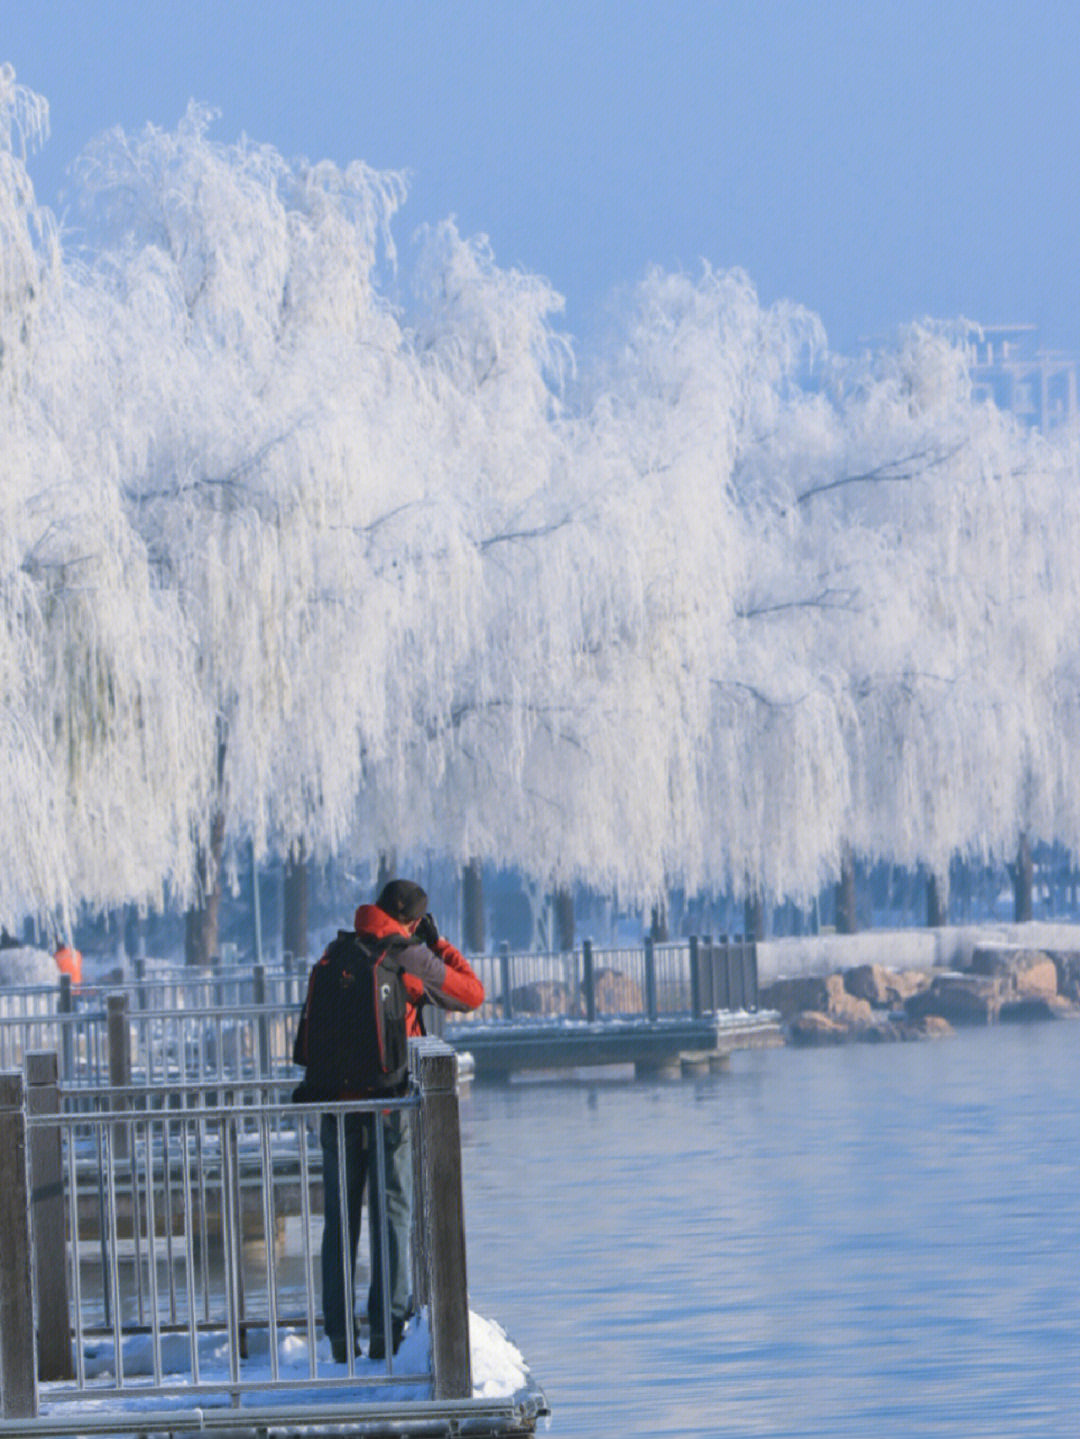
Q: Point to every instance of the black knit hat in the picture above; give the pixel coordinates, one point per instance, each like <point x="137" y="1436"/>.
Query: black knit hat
<point x="402" y="900"/>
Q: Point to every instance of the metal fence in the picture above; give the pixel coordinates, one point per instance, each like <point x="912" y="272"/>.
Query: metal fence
<point x="163" y="1245"/>
<point x="164" y="1032"/>
<point x="18" y="1000"/>
<point x="81" y="1039"/>
<point x="112" y="1044"/>
<point x="682" y="977"/>
<point x="163" y="987"/>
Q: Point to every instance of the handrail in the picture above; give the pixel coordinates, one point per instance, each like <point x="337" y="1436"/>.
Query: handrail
<point x="373" y="1419"/>
<point x="126" y="1037"/>
<point x="163" y="1192"/>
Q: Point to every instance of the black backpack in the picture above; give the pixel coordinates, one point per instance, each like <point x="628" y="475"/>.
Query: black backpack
<point x="351" y="1037"/>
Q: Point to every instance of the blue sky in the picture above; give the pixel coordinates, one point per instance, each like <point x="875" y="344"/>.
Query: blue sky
<point x="876" y="161"/>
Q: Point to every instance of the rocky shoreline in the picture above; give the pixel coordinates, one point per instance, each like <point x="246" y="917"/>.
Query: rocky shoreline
<point x="871" y="1003"/>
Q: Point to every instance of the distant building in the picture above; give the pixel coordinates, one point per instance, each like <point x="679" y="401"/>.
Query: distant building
<point x="1009" y="367"/>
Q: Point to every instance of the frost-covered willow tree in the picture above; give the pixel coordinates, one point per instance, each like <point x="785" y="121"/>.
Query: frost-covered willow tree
<point x="284" y="566"/>
<point x="718" y="730"/>
<point x="927" y="515"/>
<point x="29" y="254"/>
<point x="26" y="257"/>
<point x="507" y="530"/>
<point x="92" y="747"/>
<point x="271" y="438"/>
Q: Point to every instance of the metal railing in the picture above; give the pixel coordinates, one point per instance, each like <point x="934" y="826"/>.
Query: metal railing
<point x="131" y="1035"/>
<point x="163" y="987"/>
<point x="114" y="1044"/>
<point x="170" y="1235"/>
<point x="81" y="1039"/>
<point x="683" y="977"/>
<point x="18" y="1000"/>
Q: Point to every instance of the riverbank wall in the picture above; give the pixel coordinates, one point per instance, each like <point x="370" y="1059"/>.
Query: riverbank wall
<point x="947" y="947"/>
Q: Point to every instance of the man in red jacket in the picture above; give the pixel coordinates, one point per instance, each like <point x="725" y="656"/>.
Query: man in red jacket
<point x="432" y="971"/>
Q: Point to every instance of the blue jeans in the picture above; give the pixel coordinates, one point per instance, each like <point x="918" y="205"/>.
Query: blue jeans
<point x="391" y="1191"/>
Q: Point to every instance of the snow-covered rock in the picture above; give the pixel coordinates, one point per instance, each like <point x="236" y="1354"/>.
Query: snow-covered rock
<point x="27" y="965"/>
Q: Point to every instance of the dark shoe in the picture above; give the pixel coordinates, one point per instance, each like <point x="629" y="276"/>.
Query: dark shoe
<point x="377" y="1347"/>
<point x="339" y="1350"/>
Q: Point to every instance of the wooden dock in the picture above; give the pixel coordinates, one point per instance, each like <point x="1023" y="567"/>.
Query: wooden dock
<point x="652" y="1046"/>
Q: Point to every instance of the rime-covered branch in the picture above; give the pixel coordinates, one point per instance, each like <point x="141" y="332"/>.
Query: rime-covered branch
<point x="909" y="467"/>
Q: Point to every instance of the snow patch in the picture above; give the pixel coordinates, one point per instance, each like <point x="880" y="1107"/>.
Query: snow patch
<point x="27" y="965"/>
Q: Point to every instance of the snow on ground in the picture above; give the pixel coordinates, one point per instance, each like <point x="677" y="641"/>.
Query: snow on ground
<point x="498" y="1368"/>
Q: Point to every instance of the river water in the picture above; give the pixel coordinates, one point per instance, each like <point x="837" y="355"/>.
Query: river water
<point x="871" y="1241"/>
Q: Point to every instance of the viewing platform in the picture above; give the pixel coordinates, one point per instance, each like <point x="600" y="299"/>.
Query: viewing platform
<point x="139" y="1294"/>
<point x="661" y="1046"/>
<point x="662" y="1008"/>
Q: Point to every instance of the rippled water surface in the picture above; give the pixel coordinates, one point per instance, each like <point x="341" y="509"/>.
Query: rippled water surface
<point x="870" y="1241"/>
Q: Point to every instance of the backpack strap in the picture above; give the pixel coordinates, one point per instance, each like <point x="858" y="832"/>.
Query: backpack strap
<point x="385" y="949"/>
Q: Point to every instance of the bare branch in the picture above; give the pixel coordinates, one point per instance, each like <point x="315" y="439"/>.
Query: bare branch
<point x="232" y="480"/>
<point x="905" y="684"/>
<point x="827" y="599"/>
<point x="758" y="695"/>
<point x="510" y="536"/>
<point x="380" y="520"/>
<point x="891" y="472"/>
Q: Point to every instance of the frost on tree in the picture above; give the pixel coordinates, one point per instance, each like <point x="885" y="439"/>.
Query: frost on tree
<point x="91" y="665"/>
<point x="290" y="569"/>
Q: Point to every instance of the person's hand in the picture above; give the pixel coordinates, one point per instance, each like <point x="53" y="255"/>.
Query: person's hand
<point x="427" y="931"/>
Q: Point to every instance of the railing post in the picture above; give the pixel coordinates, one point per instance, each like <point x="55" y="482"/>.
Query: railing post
<point x="119" y="1041"/>
<point x="47" y="1201"/>
<point x="735" y="972"/>
<point x="742" y="972"/>
<point x="696" y="1010"/>
<point x="722" y="975"/>
<point x="18" y="1376"/>
<point x="119" y="1032"/>
<point x="588" y="980"/>
<point x="650" y="977"/>
<point x="418" y="1227"/>
<point x="258" y="979"/>
<point x="67" y="1033"/>
<point x="139" y="963"/>
<point x="444" y="1218"/>
<point x="504" y="970"/>
<point x="750" y="976"/>
<point x="256" y="906"/>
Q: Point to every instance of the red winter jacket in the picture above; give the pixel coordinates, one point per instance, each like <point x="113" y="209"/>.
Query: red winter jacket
<point x="443" y="975"/>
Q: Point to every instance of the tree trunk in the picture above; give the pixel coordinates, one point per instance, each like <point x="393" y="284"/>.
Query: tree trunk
<point x="387" y="869"/>
<point x="564" y="920"/>
<point x="1023" y="881"/>
<point x="201" y="926"/>
<point x="754" y="916"/>
<point x="937" y="903"/>
<point x="658" y="925"/>
<point x="847" y="921"/>
<point x="134" y="933"/>
<point x="472" y="884"/>
<point x="295" y="902"/>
